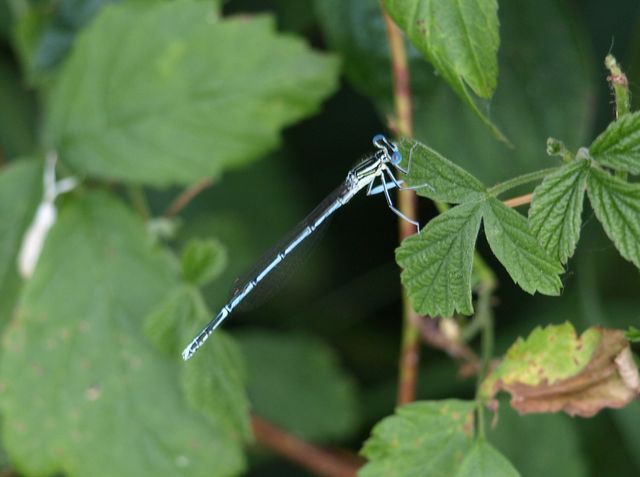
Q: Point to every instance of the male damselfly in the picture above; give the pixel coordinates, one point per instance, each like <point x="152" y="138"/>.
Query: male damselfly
<point x="380" y="165"/>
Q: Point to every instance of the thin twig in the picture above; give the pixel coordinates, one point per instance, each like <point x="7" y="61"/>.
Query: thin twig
<point x="187" y="196"/>
<point x="408" y="204"/>
<point x="319" y="461"/>
<point x="518" y="201"/>
<point x="434" y="337"/>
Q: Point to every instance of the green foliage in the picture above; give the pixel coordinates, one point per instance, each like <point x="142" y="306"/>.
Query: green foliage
<point x="195" y="109"/>
<point x="633" y="334"/>
<point x="617" y="206"/>
<point x="437" y="262"/>
<point x="102" y="390"/>
<point x="483" y="460"/>
<point x="517" y="249"/>
<point x="618" y="146"/>
<point x="460" y="39"/>
<point x="20" y="192"/>
<point x="203" y="261"/>
<point x="422" y="438"/>
<point x="296" y="382"/>
<point x="555" y="216"/>
<point x="437" y="177"/>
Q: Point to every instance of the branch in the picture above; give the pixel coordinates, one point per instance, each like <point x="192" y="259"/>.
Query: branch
<point x="187" y="196"/>
<point x="408" y="204"/>
<point x="434" y="337"/>
<point x="518" y="201"/>
<point x="319" y="461"/>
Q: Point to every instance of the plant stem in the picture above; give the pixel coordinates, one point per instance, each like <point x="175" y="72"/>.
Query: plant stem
<point x="520" y="180"/>
<point x="319" y="461"/>
<point x="139" y="201"/>
<point x="485" y="318"/>
<point x="187" y="196"/>
<point x="619" y="84"/>
<point x="518" y="201"/>
<point x="407" y="201"/>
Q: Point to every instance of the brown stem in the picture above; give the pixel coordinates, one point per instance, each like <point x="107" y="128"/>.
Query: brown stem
<point x="407" y="201"/>
<point x="319" y="461"/>
<point x="187" y="196"/>
<point x="518" y="201"/>
<point x="433" y="336"/>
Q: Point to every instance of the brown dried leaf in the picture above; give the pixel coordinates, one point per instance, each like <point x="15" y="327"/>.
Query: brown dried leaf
<point x="607" y="378"/>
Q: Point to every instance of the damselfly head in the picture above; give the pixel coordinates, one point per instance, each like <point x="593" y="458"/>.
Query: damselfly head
<point x="391" y="151"/>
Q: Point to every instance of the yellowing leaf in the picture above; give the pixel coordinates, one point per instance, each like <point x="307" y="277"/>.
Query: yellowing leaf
<point x="554" y="370"/>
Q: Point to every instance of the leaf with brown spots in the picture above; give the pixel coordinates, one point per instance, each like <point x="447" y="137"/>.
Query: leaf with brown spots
<point x="555" y="370"/>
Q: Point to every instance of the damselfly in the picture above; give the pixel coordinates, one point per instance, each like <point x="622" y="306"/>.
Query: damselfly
<point x="380" y="165"/>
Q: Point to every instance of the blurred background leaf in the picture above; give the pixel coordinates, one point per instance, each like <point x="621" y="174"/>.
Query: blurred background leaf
<point x="296" y="382"/>
<point x="194" y="110"/>
<point x="102" y="389"/>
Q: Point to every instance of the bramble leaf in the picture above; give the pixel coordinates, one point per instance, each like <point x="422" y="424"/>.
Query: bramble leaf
<point x="460" y="39"/>
<point x="214" y="380"/>
<point x="421" y="438"/>
<point x="555" y="215"/>
<point x="483" y="460"/>
<point x="20" y="192"/>
<point x="517" y="249"/>
<point x="616" y="204"/>
<point x="437" y="262"/>
<point x="203" y="261"/>
<point x="107" y="402"/>
<point x="618" y="146"/>
<point x="442" y="179"/>
<point x="296" y="382"/>
<point x="167" y="101"/>
<point x="554" y="370"/>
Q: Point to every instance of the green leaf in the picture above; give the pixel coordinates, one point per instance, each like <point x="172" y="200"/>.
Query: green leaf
<point x="177" y="104"/>
<point x="203" y="261"/>
<point x="555" y="215"/>
<point x="214" y="380"/>
<point x="618" y="146"/>
<point x="632" y="334"/>
<point x="483" y="460"/>
<point x="617" y="207"/>
<point x="356" y="30"/>
<point x="214" y="383"/>
<point x="422" y="438"/>
<point x="164" y="324"/>
<point x="528" y="111"/>
<point x="107" y="403"/>
<point x="514" y="245"/>
<point x="446" y="181"/>
<point x="20" y="192"/>
<point x="437" y="262"/>
<point x="17" y="114"/>
<point x="460" y="39"/>
<point x="296" y="382"/>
